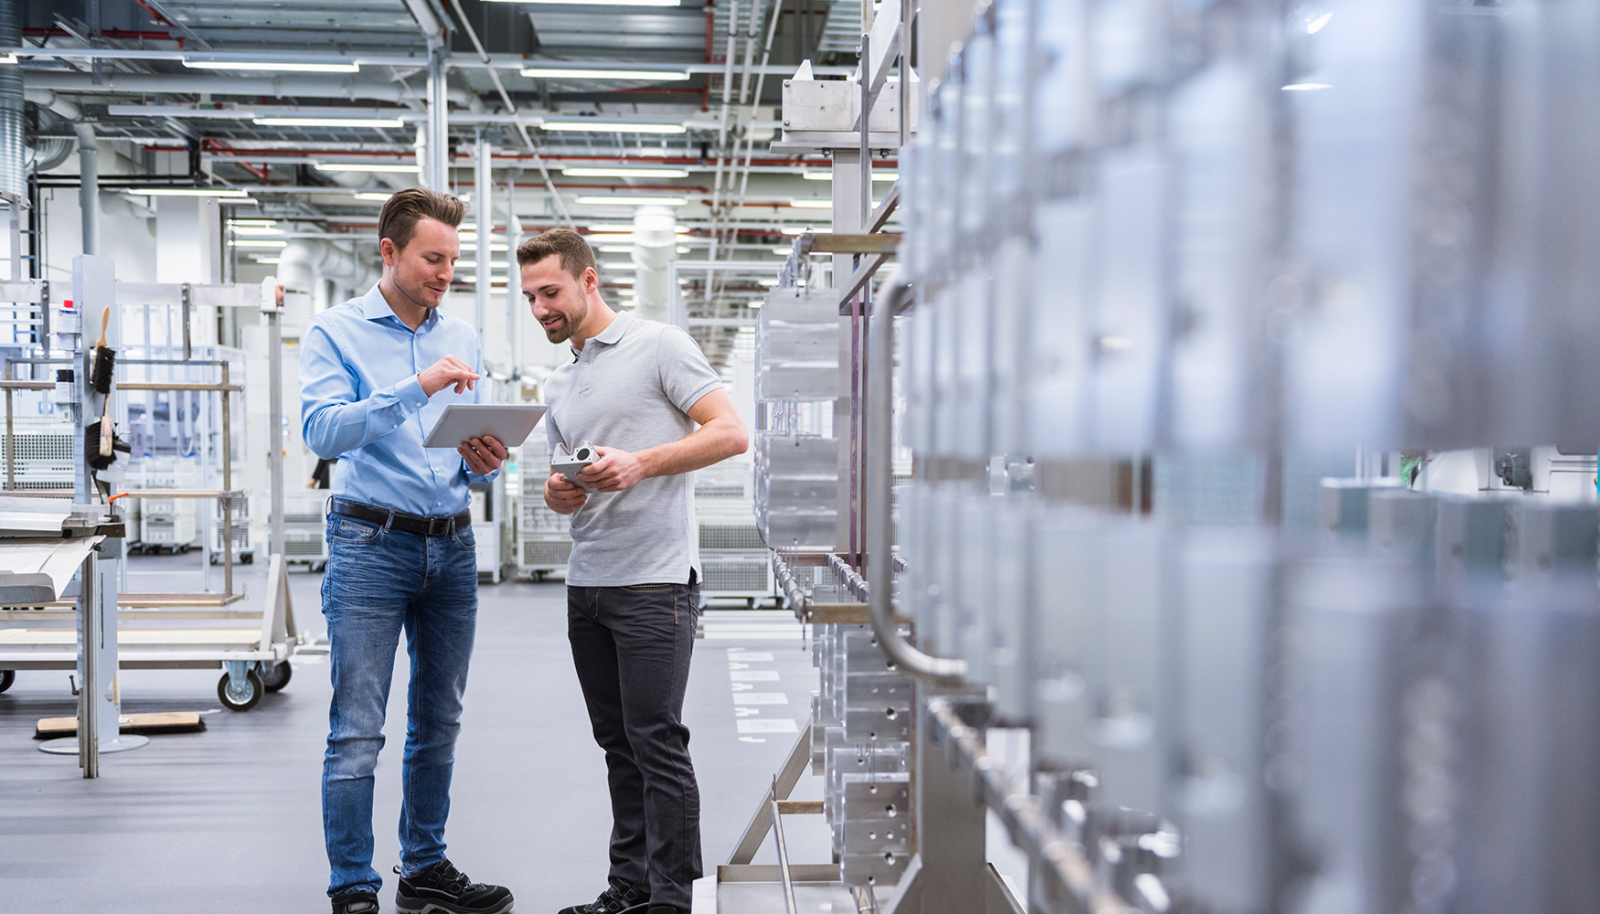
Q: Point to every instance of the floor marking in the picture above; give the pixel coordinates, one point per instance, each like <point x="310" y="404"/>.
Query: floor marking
<point x="753" y="675"/>
<point x="746" y="712"/>
<point x="742" y="687"/>
<point x="761" y="698"/>
<point x="744" y="656"/>
<point x="781" y="725"/>
<point x="751" y="739"/>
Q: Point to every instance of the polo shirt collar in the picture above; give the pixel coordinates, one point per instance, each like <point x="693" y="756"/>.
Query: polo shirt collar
<point x="612" y="333"/>
<point x="375" y="307"/>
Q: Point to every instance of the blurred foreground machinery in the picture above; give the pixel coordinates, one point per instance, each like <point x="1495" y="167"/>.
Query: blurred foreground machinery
<point x="1188" y="292"/>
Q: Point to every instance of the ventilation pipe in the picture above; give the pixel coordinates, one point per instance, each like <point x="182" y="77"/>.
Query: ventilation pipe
<point x="306" y="262"/>
<point x="253" y="88"/>
<point x="88" y="186"/>
<point x="12" y="180"/>
<point x="55" y="101"/>
<point x="655" y="245"/>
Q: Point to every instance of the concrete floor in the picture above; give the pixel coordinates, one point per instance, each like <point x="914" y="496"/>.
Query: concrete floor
<point x="230" y="819"/>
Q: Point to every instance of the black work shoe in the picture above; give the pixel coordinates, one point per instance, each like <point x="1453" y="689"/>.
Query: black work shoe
<point x="443" y="889"/>
<point x="665" y="909"/>
<point x="355" y="903"/>
<point x="621" y="895"/>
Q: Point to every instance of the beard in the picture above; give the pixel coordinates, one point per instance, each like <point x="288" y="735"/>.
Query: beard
<point x="562" y="330"/>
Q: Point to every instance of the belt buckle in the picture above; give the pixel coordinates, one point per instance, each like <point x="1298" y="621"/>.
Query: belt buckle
<point x="438" y="526"/>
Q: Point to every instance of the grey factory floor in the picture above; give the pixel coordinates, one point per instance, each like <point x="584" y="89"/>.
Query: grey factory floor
<point x="229" y="819"/>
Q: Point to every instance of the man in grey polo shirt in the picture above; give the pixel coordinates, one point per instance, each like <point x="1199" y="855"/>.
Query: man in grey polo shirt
<point x="635" y="390"/>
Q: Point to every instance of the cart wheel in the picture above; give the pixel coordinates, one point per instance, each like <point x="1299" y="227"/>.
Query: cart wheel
<point x="183" y="550"/>
<point x="276" y="677"/>
<point x="7" y="677"/>
<point x="319" y="567"/>
<point x="242" y="699"/>
<point x="247" y="558"/>
<point x="538" y="577"/>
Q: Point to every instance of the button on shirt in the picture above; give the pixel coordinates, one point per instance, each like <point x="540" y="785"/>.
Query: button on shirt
<point x="631" y="387"/>
<point x="361" y="400"/>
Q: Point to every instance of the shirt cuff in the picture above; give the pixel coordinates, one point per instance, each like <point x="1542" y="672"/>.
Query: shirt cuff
<point x="408" y="394"/>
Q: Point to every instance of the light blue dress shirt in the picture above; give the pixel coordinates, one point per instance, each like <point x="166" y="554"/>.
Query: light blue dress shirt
<point x="361" y="400"/>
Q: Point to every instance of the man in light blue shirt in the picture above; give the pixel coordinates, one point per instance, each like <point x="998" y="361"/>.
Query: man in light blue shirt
<point x="376" y="373"/>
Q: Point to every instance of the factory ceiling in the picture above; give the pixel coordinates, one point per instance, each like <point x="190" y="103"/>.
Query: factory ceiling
<point x="308" y="103"/>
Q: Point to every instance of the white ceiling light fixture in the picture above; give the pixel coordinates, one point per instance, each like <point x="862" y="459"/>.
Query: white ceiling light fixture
<point x="616" y="249"/>
<point x="811" y="204"/>
<point x="253" y="223"/>
<point x="604" y="125"/>
<point x="186" y="192"/>
<point x="1318" y="24"/>
<point x="285" y="67"/>
<point x="256" y="230"/>
<point x="8" y="58"/>
<point x="623" y="265"/>
<point x="828" y="176"/>
<point x="609" y="237"/>
<point x="795" y="230"/>
<point x="370" y="167"/>
<point x="620" y="200"/>
<point x="586" y="172"/>
<point x="783" y="252"/>
<point x="757" y="302"/>
<point x="578" y="73"/>
<point x="327" y="122"/>
<point x="267" y="259"/>
<point x="260" y="243"/>
<point x="373" y="195"/>
<point x="767" y="282"/>
<point x="1306" y="87"/>
<point x="593" y="2"/>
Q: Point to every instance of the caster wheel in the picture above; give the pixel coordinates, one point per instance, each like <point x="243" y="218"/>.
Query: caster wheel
<point x="249" y="558"/>
<point x="241" y="699"/>
<point x="7" y="677"/>
<point x="319" y="567"/>
<point x="276" y="677"/>
<point x="183" y="550"/>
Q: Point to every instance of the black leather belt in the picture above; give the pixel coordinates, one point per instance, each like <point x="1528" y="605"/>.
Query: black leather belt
<point x="400" y="520"/>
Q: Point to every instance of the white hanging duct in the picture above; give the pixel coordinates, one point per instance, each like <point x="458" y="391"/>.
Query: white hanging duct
<point x="306" y="262"/>
<point x="655" y="246"/>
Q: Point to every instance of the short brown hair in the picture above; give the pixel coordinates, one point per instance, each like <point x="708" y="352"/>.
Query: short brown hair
<point x="401" y="212"/>
<point x="575" y="253"/>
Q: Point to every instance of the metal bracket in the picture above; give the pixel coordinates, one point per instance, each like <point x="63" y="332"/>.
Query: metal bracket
<point x="186" y="297"/>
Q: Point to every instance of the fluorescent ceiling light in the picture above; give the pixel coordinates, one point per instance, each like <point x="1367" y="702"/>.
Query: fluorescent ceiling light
<point x="794" y="230"/>
<point x="811" y="204"/>
<point x="783" y="251"/>
<point x="185" y="192"/>
<point x="582" y="172"/>
<point x="8" y="58"/>
<point x="373" y="195"/>
<point x="256" y="230"/>
<point x="1316" y="25"/>
<point x="260" y="243"/>
<point x="328" y="122"/>
<point x="616" y="249"/>
<point x="605" y="125"/>
<point x="627" y="227"/>
<point x="757" y="302"/>
<point x="373" y="167"/>
<point x="621" y="265"/>
<point x="828" y="176"/>
<point x="1306" y="87"/>
<point x="604" y="237"/>
<point x="466" y="264"/>
<point x="266" y="259"/>
<point x="621" y="281"/>
<point x="574" y="73"/>
<point x="682" y="249"/>
<point x="594" y="2"/>
<point x="260" y="65"/>
<point x="620" y="200"/>
<point x="254" y="223"/>
<point x="493" y="246"/>
<point x="767" y="282"/>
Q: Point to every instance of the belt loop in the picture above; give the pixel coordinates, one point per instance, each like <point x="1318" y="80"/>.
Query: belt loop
<point x="390" y="522"/>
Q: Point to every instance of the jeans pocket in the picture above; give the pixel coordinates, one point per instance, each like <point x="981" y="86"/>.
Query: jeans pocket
<point x="465" y="538"/>
<point x="648" y="588"/>
<point x="347" y="531"/>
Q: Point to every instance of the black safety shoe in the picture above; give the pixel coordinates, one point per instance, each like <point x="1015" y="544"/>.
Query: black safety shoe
<point x="443" y="889"/>
<point x="621" y="895"/>
<point x="355" y="903"/>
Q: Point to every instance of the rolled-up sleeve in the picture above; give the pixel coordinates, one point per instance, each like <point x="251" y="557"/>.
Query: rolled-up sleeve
<point x="335" y="418"/>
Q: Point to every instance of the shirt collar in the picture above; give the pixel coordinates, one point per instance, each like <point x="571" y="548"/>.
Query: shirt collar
<point x="375" y="307"/>
<point x="619" y="325"/>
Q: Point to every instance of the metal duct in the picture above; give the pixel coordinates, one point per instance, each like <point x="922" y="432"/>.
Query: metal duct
<point x="88" y="187"/>
<point x="57" y="103"/>
<point x="279" y="87"/>
<point x="48" y="152"/>
<point x="12" y="143"/>
<point x="655" y="245"/>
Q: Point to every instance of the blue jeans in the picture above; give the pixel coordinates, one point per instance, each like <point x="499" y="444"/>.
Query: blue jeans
<point x="378" y="581"/>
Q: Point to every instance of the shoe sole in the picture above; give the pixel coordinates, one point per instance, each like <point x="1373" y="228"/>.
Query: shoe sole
<point x="429" y="907"/>
<point x="639" y="908"/>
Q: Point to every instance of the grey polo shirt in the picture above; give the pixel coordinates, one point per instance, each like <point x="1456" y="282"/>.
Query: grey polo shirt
<point x="631" y="388"/>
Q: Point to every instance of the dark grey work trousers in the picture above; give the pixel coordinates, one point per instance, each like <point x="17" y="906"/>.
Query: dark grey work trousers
<point x="631" y="647"/>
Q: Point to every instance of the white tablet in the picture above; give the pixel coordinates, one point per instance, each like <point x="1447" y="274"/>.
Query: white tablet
<point x="508" y="422"/>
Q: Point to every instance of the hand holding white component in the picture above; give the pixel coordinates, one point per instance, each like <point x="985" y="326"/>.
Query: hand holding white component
<point x="615" y="471"/>
<point x="563" y="496"/>
<point x="446" y="372"/>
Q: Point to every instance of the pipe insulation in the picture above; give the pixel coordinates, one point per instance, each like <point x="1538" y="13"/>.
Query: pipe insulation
<point x="275" y="87"/>
<point x="655" y="245"/>
<point x="12" y="180"/>
<point x="88" y="186"/>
